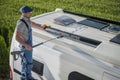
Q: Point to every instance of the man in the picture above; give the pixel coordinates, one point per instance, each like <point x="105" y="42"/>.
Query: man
<point x="24" y="37"/>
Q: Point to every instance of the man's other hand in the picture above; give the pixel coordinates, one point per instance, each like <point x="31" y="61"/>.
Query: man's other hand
<point x="28" y="47"/>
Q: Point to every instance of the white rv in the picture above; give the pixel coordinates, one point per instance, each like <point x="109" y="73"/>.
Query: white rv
<point x="89" y="48"/>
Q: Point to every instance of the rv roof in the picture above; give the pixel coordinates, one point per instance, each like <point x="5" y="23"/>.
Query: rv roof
<point x="106" y="50"/>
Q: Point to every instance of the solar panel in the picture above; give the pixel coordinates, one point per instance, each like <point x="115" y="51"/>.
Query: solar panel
<point x="116" y="39"/>
<point x="92" y="23"/>
<point x="115" y="28"/>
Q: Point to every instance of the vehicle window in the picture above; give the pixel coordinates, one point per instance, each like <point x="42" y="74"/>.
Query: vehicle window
<point x="78" y="76"/>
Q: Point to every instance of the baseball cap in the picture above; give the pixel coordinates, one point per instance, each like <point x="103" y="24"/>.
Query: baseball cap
<point x="25" y="9"/>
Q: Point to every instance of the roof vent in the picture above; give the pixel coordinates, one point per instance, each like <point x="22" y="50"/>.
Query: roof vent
<point x="116" y="39"/>
<point x="64" y="20"/>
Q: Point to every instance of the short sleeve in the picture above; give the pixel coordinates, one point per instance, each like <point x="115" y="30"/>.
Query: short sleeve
<point x="20" y="26"/>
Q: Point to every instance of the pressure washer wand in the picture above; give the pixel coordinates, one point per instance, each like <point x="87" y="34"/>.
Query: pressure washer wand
<point x="18" y="52"/>
<point x="47" y="41"/>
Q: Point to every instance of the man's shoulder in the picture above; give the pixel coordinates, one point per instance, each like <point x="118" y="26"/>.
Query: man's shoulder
<point x="21" y="26"/>
<point x="20" y="23"/>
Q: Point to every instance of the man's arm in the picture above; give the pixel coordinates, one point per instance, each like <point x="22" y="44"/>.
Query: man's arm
<point x="39" y="26"/>
<point x="21" y="41"/>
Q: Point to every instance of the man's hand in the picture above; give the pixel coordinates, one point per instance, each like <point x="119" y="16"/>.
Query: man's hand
<point x="28" y="47"/>
<point x="43" y="26"/>
<point x="39" y="26"/>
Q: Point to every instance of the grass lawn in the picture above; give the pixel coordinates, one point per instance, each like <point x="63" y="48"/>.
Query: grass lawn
<point x="9" y="11"/>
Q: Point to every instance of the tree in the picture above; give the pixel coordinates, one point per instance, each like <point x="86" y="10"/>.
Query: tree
<point x="4" y="59"/>
<point x="4" y="32"/>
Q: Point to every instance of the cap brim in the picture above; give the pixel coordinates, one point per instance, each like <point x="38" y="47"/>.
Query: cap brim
<point x="30" y="10"/>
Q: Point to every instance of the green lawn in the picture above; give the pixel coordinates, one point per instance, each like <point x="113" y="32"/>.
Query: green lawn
<point x="9" y="12"/>
<point x="9" y="9"/>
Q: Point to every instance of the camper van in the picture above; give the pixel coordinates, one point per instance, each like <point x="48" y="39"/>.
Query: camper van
<point x="74" y="47"/>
